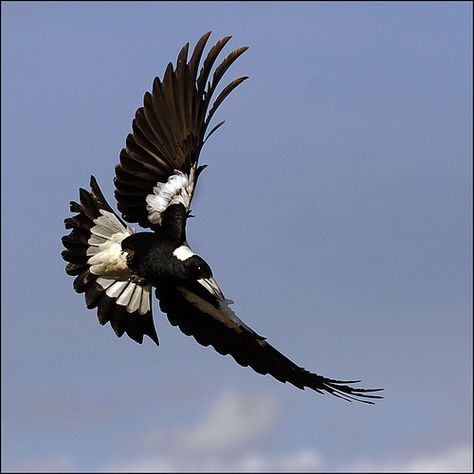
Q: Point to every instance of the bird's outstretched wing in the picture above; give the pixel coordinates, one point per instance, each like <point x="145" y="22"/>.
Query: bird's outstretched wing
<point x="158" y="166"/>
<point x="95" y="257"/>
<point x="210" y="321"/>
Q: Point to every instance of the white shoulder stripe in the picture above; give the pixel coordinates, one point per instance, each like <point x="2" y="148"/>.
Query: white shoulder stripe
<point x="183" y="253"/>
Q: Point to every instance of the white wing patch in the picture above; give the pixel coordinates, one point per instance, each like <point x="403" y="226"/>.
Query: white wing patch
<point x="108" y="260"/>
<point x="178" y="189"/>
<point x="107" y="257"/>
<point x="134" y="297"/>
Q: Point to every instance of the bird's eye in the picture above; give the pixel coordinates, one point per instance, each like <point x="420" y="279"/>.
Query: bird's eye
<point x="200" y="270"/>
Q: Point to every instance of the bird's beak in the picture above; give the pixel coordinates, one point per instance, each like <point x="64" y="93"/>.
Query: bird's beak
<point x="212" y="287"/>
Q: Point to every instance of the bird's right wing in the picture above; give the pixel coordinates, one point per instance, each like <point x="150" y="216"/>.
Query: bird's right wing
<point x="209" y="319"/>
<point x="159" y="165"/>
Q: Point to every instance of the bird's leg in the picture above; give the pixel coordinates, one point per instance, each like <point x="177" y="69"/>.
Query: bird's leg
<point x="138" y="280"/>
<point x="134" y="278"/>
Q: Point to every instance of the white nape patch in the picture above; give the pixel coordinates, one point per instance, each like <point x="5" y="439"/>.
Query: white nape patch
<point x="134" y="297"/>
<point x="107" y="257"/>
<point x="178" y="189"/>
<point x="223" y="313"/>
<point x="183" y="253"/>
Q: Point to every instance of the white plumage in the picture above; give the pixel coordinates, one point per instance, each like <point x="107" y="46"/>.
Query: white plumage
<point x="107" y="257"/>
<point x="183" y="252"/>
<point x="134" y="297"/>
<point x="177" y="189"/>
<point x="108" y="260"/>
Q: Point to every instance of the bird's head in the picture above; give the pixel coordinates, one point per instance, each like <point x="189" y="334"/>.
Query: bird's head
<point x="197" y="269"/>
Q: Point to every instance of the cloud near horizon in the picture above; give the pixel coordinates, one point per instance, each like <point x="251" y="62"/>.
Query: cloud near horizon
<point x="227" y="437"/>
<point x="454" y="459"/>
<point x="231" y="422"/>
<point x="230" y="437"/>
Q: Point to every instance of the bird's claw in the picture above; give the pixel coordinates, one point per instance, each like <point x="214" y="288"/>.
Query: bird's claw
<point x="138" y="280"/>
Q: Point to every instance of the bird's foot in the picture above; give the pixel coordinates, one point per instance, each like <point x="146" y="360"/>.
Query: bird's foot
<point x="138" y="280"/>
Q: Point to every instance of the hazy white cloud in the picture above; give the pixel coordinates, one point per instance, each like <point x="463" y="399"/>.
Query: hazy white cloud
<point x="300" y="460"/>
<point x="232" y="421"/>
<point x="229" y="437"/>
<point x="454" y="459"/>
<point x="304" y="460"/>
<point x="226" y="438"/>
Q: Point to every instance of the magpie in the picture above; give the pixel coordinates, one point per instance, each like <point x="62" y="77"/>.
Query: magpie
<point x="117" y="268"/>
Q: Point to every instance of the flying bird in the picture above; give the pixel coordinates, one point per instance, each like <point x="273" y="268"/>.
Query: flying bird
<point x="117" y="267"/>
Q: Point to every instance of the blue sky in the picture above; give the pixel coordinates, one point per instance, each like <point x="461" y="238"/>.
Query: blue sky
<point x="336" y="211"/>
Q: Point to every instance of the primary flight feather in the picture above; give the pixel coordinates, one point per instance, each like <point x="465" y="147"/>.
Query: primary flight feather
<point x="155" y="181"/>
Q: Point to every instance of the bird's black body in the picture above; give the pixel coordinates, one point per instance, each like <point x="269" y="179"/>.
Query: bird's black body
<point x="150" y="257"/>
<point x="155" y="180"/>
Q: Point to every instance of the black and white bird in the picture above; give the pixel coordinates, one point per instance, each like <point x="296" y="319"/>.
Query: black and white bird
<point x="155" y="181"/>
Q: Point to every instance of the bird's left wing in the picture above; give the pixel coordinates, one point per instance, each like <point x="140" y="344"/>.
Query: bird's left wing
<point x="205" y="314"/>
<point x="158" y="167"/>
<point x="95" y="257"/>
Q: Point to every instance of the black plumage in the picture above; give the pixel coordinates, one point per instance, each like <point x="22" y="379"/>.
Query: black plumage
<point x="155" y="181"/>
<point x="170" y="129"/>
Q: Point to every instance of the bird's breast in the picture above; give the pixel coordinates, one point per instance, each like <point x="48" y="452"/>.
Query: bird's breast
<point x="156" y="264"/>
